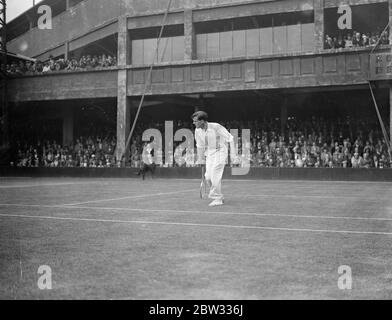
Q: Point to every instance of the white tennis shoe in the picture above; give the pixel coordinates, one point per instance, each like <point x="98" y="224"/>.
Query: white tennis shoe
<point x="216" y="202"/>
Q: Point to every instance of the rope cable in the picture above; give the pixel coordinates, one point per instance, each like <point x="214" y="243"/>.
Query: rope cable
<point x="384" y="132"/>
<point x="147" y="82"/>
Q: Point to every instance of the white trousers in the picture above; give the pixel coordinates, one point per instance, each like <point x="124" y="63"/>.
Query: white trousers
<point x="215" y="164"/>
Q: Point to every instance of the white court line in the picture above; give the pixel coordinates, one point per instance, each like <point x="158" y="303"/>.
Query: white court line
<point x="44" y="185"/>
<point x="279" y="181"/>
<point x="266" y="182"/>
<point x="196" y="212"/>
<point x="227" y="180"/>
<point x="196" y="224"/>
<point x="132" y="197"/>
<point x="296" y="196"/>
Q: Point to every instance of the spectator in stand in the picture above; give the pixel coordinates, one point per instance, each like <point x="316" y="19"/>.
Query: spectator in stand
<point x="383" y="162"/>
<point x="337" y="158"/>
<point x="71" y="65"/>
<point x="39" y="67"/>
<point x="385" y="37"/>
<point x="52" y="65"/>
<point x="304" y="143"/>
<point x="346" y="161"/>
<point x="324" y="157"/>
<point x="317" y="163"/>
<point x="46" y="68"/>
<point x="366" y="161"/>
<point x="356" y="160"/>
<point x="348" y="41"/>
<point x="365" y="39"/>
<point x="259" y="159"/>
<point x="22" y="68"/>
<point x="356" y="39"/>
<point x="70" y="162"/>
<point x="59" y="65"/>
<point x="328" y="43"/>
<point x="340" y="42"/>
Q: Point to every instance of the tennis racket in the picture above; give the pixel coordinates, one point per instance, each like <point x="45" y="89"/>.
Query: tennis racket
<point x="203" y="184"/>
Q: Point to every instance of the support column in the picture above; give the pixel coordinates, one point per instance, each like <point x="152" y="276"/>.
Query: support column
<point x="123" y="42"/>
<point x="390" y="88"/>
<point x="31" y="22"/>
<point x="123" y="102"/>
<point x="4" y="117"/>
<point x="189" y="36"/>
<point x="123" y="119"/>
<point x="390" y="114"/>
<point x="66" y="50"/>
<point x="68" y="126"/>
<point x="390" y="26"/>
<point x="319" y="23"/>
<point x="66" y="4"/>
<point x="4" y="134"/>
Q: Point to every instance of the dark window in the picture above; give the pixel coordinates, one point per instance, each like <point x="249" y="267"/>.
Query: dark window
<point x="174" y="30"/>
<point x="107" y="46"/>
<point x="255" y="22"/>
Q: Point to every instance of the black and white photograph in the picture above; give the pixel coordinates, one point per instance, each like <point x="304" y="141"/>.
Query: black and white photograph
<point x="196" y="155"/>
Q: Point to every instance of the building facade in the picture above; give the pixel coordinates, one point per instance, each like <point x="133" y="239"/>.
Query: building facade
<point x="209" y="48"/>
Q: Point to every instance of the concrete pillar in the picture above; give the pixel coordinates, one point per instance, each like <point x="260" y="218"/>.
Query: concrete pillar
<point x="66" y="50"/>
<point x="123" y="102"/>
<point x="189" y="36"/>
<point x="390" y="114"/>
<point x="68" y="126"/>
<point x="319" y="23"/>
<point x="123" y="119"/>
<point x="123" y="42"/>
<point x="31" y="22"/>
<point x="67" y="4"/>
<point x="390" y="25"/>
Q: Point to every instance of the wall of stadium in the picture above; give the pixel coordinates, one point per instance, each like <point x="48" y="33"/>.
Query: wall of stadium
<point x="89" y="15"/>
<point x="326" y="174"/>
<point x="219" y="68"/>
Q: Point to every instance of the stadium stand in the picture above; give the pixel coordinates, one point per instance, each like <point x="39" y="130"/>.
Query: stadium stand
<point x="283" y="69"/>
<point x="88" y="62"/>
<point x="341" y="143"/>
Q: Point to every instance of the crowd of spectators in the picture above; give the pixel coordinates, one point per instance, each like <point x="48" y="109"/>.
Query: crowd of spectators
<point x="92" y="151"/>
<point x="355" y="39"/>
<point x="37" y="67"/>
<point x="316" y="142"/>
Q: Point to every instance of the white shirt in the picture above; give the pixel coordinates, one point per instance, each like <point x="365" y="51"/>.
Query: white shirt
<point x="46" y="68"/>
<point x="214" y="139"/>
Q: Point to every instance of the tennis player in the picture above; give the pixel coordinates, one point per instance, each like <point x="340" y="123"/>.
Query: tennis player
<point x="212" y="140"/>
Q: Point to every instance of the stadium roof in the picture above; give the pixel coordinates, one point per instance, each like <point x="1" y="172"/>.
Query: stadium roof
<point x="30" y="9"/>
<point x="22" y="23"/>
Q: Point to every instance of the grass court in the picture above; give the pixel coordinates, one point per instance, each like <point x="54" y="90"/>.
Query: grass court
<point x="156" y="239"/>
